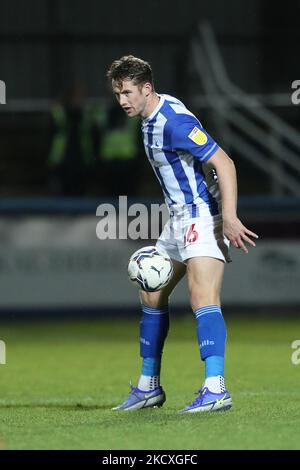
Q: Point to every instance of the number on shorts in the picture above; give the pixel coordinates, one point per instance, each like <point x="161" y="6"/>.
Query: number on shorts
<point x="191" y="235"/>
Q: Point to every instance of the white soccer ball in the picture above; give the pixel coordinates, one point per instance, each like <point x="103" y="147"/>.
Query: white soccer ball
<point x="150" y="269"/>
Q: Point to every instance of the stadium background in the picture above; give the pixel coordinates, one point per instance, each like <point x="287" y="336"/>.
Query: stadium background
<point x="233" y="63"/>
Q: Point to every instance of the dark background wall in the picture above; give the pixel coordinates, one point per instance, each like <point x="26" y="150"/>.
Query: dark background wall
<point x="45" y="43"/>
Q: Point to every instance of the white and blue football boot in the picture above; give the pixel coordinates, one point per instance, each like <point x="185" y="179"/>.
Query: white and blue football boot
<point x="209" y="401"/>
<point x="138" y="399"/>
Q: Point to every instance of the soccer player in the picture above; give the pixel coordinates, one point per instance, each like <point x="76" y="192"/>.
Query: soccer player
<point x="199" y="183"/>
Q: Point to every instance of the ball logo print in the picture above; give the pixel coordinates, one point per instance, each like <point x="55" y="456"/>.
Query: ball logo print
<point x="149" y="269"/>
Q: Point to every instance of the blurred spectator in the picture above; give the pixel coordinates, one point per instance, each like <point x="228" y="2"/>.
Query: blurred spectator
<point x="75" y="132"/>
<point x="120" y="149"/>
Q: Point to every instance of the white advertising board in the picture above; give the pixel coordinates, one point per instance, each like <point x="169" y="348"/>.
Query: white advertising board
<point x="59" y="262"/>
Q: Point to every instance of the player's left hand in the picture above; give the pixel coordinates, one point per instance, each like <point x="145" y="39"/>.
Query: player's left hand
<point x="237" y="233"/>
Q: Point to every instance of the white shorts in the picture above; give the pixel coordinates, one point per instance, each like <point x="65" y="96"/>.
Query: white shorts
<point x="185" y="237"/>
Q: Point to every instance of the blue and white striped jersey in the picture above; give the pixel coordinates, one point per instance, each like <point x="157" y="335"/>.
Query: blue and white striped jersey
<point x="177" y="147"/>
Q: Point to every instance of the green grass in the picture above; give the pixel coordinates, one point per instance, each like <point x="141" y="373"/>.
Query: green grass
<point x="61" y="379"/>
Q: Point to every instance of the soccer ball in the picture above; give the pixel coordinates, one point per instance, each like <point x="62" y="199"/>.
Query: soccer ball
<point x="150" y="269"/>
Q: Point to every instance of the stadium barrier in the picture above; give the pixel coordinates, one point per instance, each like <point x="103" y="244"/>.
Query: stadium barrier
<point x="55" y="261"/>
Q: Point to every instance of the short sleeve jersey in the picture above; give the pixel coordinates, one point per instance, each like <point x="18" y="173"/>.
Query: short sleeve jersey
<point x="177" y="147"/>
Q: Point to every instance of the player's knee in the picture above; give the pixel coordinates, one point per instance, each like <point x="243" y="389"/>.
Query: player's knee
<point x="201" y="299"/>
<point x="154" y="299"/>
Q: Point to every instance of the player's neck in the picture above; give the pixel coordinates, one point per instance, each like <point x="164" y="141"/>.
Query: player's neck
<point x="151" y="105"/>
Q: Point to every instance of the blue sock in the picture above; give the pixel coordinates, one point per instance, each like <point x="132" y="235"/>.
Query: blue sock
<point x="214" y="365"/>
<point x="211" y="333"/>
<point x="151" y="366"/>
<point x="154" y="329"/>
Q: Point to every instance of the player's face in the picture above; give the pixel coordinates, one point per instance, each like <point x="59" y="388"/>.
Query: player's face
<point x="132" y="99"/>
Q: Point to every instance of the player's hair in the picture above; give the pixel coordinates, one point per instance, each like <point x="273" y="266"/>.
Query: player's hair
<point x="132" y="68"/>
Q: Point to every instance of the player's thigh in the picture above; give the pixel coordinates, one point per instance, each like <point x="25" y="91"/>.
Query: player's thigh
<point x="160" y="298"/>
<point x="204" y="276"/>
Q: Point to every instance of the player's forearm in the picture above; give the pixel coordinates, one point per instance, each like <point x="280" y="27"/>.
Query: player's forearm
<point x="228" y="188"/>
<point x="226" y="173"/>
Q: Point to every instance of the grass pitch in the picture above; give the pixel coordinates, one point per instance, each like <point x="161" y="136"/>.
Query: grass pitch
<point x="62" y="378"/>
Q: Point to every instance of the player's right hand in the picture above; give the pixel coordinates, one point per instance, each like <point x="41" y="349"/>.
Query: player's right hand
<point x="237" y="233"/>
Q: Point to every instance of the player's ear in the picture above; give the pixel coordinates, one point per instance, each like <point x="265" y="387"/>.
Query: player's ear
<point x="147" y="87"/>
